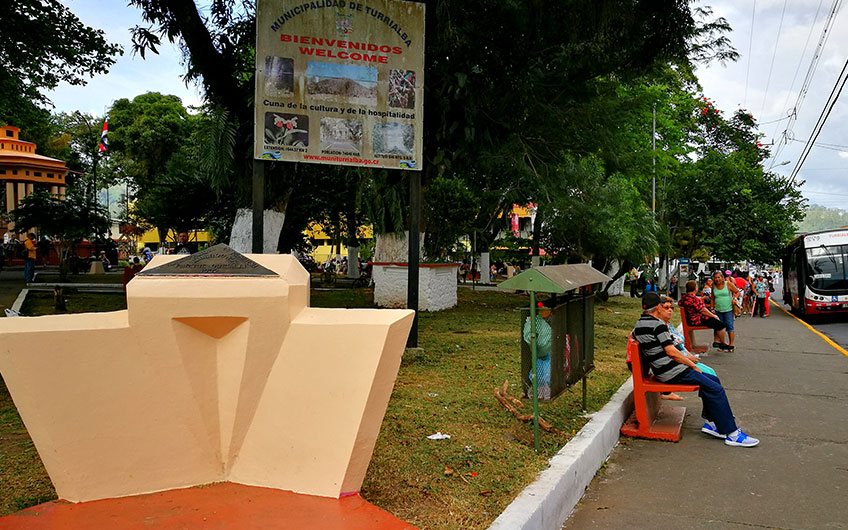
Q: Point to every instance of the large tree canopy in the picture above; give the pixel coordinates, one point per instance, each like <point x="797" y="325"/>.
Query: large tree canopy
<point x="545" y="102"/>
<point x="45" y="44"/>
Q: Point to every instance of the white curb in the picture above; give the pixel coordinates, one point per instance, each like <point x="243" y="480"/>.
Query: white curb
<point x="548" y="501"/>
<point x="19" y="301"/>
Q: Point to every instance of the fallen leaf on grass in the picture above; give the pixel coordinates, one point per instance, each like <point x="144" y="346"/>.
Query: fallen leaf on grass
<point x="449" y="471"/>
<point x="486" y="493"/>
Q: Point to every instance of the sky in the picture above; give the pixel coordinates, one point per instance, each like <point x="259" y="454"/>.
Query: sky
<point x="130" y="75"/>
<point x="775" y="39"/>
<point x="770" y="36"/>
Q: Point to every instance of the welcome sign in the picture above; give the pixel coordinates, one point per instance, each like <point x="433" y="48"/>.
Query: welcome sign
<point x="340" y="82"/>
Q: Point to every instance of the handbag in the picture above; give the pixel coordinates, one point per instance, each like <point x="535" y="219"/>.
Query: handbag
<point x="706" y="369"/>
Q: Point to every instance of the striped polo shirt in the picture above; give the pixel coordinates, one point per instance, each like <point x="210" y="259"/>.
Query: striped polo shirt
<point x="652" y="335"/>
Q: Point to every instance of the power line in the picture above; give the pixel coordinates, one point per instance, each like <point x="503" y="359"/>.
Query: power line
<point x="825" y="114"/>
<point x="805" y="86"/>
<point x="750" y="43"/>
<point x="800" y="61"/>
<point x="826" y="145"/>
<point x="773" y="55"/>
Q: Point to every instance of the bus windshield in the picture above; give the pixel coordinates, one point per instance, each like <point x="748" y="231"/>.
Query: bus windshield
<point x="826" y="267"/>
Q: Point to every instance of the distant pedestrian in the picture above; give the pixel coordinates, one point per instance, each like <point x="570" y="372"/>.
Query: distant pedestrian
<point x="760" y="289"/>
<point x="650" y="286"/>
<point x="672" y="287"/>
<point x="707" y="293"/>
<point x="29" y="259"/>
<point x="184" y="246"/>
<point x="634" y="282"/>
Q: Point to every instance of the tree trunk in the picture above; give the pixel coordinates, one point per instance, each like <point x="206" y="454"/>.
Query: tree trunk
<point x="626" y="265"/>
<point x="353" y="262"/>
<point x="536" y="259"/>
<point x="485" y="264"/>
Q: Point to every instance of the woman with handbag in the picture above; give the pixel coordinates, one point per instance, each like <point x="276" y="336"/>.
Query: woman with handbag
<point x="724" y="293"/>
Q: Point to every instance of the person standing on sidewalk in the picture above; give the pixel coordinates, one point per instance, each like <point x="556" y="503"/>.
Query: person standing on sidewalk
<point x="724" y="292"/>
<point x="29" y="260"/>
<point x="760" y="289"/>
<point x="669" y="365"/>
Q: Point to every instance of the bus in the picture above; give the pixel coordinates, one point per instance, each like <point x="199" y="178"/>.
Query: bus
<point x="815" y="273"/>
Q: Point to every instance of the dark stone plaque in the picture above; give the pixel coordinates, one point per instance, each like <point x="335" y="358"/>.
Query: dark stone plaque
<point x="219" y="260"/>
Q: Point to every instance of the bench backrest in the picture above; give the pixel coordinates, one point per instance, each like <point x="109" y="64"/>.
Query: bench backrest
<point x="637" y="363"/>
<point x="683" y="317"/>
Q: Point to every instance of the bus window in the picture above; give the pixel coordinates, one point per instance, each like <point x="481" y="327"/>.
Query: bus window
<point x="826" y="268"/>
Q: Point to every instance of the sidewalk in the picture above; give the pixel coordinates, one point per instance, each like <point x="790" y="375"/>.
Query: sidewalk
<point x="788" y="388"/>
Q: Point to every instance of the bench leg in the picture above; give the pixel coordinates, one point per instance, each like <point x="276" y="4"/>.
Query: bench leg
<point x="653" y="420"/>
<point x="690" y="343"/>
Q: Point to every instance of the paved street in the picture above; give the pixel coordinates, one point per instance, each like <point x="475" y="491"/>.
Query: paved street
<point x="788" y="388"/>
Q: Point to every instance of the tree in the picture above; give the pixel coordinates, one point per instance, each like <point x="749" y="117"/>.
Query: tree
<point x="590" y="214"/>
<point x="151" y="139"/>
<point x="66" y="221"/>
<point x="44" y="44"/>
<point x="822" y="218"/>
<point x="33" y="59"/>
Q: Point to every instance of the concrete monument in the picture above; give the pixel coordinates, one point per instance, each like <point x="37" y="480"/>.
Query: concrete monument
<point x="218" y="371"/>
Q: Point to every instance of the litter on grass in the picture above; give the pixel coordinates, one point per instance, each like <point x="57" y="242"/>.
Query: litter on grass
<point x="439" y="436"/>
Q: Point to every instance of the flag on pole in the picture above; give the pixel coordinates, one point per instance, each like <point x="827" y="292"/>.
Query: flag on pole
<point x="104" y="138"/>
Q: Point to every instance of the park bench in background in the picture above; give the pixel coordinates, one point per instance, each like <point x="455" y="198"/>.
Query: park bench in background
<point x="689" y="334"/>
<point x="651" y="418"/>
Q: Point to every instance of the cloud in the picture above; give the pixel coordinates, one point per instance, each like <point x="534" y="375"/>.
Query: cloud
<point x="768" y="80"/>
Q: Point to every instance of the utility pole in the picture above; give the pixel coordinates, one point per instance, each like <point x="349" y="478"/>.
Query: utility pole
<point x="654" y="162"/>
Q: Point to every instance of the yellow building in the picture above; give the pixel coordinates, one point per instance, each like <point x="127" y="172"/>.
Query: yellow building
<point x="151" y="238"/>
<point x="325" y="247"/>
<point x="22" y="171"/>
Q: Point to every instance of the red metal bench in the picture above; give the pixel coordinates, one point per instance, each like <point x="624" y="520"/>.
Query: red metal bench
<point x="651" y="418"/>
<point x="689" y="334"/>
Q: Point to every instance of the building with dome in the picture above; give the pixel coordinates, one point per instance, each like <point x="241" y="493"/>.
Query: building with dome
<point x="22" y="171"/>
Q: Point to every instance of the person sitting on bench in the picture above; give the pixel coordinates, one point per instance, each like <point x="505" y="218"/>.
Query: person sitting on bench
<point x="669" y="365"/>
<point x="697" y="314"/>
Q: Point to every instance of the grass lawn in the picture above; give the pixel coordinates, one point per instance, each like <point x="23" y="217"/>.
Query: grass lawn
<point x="447" y="386"/>
<point x="53" y="277"/>
<point x="41" y="302"/>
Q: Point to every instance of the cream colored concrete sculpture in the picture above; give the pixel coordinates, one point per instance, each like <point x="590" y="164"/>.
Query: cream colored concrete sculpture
<point x="206" y="379"/>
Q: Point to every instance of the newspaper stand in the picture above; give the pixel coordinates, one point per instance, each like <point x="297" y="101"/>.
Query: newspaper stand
<point x="572" y="326"/>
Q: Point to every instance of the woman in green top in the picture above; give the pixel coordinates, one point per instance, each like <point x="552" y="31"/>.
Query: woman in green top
<point x="722" y="303"/>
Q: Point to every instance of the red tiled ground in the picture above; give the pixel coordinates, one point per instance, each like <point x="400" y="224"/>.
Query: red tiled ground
<point x="224" y="505"/>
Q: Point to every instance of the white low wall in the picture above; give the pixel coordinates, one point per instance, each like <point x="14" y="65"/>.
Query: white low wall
<point x="436" y="285"/>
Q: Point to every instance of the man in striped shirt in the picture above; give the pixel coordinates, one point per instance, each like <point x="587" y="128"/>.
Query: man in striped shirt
<point x="670" y="366"/>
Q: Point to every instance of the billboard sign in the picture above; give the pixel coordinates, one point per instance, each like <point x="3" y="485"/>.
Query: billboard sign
<point x="340" y="82"/>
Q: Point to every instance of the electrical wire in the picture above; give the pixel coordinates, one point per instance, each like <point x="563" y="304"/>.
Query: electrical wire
<point x="823" y="144"/>
<point x="800" y="62"/>
<point x="750" y="44"/>
<point x="773" y="56"/>
<point x="805" y="86"/>
<point x="823" y="116"/>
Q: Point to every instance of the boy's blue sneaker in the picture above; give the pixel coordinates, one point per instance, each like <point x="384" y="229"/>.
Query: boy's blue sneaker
<point x="741" y="440"/>
<point x="710" y="428"/>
